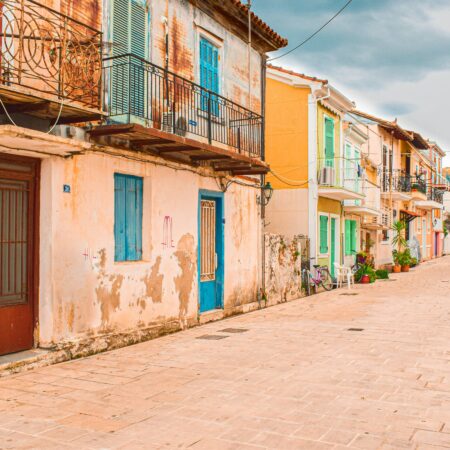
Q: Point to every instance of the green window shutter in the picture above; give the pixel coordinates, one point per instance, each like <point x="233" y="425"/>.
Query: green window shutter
<point x="353" y="236"/>
<point x="348" y="238"/>
<point x="323" y="234"/>
<point x="329" y="142"/>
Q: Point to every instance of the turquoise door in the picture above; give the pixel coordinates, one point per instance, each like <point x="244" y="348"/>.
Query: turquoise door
<point x="211" y="250"/>
<point x="332" y="246"/>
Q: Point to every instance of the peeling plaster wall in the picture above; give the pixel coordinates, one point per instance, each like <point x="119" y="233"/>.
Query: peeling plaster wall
<point x="282" y="268"/>
<point x="84" y="293"/>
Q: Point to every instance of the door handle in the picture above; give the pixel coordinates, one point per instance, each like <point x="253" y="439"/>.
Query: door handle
<point x="215" y="261"/>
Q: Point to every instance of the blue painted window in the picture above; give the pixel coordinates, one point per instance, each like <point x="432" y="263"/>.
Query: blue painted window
<point x="127" y="217"/>
<point x="209" y="73"/>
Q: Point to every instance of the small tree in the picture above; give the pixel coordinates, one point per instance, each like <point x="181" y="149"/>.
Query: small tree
<point x="399" y="240"/>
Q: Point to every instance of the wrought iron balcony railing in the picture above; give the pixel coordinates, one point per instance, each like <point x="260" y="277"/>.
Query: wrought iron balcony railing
<point x="436" y="195"/>
<point x="138" y="91"/>
<point x="395" y="182"/>
<point x="419" y="184"/>
<point x="49" y="52"/>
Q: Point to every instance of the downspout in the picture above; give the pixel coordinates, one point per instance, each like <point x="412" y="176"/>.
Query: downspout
<point x="262" y="293"/>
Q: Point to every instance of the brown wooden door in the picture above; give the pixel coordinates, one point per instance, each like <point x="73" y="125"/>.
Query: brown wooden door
<point x="18" y="262"/>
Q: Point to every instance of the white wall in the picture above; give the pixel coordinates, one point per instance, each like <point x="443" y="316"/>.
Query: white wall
<point x="83" y="292"/>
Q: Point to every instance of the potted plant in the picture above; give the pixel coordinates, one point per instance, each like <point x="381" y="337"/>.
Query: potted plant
<point x="398" y="241"/>
<point x="361" y="258"/>
<point x="414" y="262"/>
<point x="405" y="260"/>
<point x="365" y="274"/>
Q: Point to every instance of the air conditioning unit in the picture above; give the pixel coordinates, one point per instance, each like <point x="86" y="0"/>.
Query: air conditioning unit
<point x="168" y="123"/>
<point x="327" y="176"/>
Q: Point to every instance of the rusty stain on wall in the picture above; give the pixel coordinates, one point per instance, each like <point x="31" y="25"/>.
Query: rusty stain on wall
<point x="71" y="317"/>
<point x="181" y="61"/>
<point x="154" y="282"/>
<point x="186" y="255"/>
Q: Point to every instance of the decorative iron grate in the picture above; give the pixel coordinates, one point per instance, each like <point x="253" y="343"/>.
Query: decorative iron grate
<point x="44" y="50"/>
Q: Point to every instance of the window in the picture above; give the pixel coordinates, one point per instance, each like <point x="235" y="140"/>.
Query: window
<point x="329" y="142"/>
<point x="129" y="35"/>
<point x="350" y="237"/>
<point x="127" y="217"/>
<point x="209" y="74"/>
<point x="323" y="246"/>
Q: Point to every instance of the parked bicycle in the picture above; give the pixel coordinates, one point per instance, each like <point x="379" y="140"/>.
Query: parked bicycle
<point x="321" y="278"/>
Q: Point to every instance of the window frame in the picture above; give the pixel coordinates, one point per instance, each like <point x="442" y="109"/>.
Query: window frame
<point x="129" y="256"/>
<point x="327" y="253"/>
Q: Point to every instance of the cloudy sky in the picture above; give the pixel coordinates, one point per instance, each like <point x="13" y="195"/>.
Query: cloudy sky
<point x="392" y="57"/>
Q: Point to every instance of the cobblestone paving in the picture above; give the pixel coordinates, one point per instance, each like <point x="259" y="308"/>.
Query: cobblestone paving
<point x="298" y="378"/>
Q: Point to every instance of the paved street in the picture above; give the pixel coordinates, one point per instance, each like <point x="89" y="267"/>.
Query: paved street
<point x="289" y="377"/>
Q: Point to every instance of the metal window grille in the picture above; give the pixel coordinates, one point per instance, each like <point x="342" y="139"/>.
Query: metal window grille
<point x="208" y="241"/>
<point x="14" y="196"/>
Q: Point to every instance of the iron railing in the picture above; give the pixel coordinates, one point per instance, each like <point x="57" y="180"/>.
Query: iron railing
<point x="396" y="182"/>
<point x="436" y="195"/>
<point x="46" y="51"/>
<point x="419" y="184"/>
<point x="139" y="91"/>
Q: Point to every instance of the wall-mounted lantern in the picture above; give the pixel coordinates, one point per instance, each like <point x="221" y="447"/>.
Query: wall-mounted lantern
<point x="267" y="192"/>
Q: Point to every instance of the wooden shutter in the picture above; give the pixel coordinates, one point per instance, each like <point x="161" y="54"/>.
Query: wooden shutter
<point x="323" y="234"/>
<point x="329" y="142"/>
<point x="129" y="30"/>
<point x="128" y="217"/>
<point x="353" y="236"/>
<point x="209" y="73"/>
<point x="348" y="231"/>
<point x="119" y="217"/>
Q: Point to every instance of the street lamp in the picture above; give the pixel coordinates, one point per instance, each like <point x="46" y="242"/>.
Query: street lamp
<point x="266" y="194"/>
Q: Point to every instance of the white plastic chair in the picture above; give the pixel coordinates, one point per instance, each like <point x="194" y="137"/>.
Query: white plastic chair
<point x="344" y="274"/>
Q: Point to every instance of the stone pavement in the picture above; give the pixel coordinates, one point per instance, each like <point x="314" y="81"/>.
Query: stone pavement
<point x="297" y="378"/>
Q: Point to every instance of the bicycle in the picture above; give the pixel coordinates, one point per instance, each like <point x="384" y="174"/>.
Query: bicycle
<point x="322" y="278"/>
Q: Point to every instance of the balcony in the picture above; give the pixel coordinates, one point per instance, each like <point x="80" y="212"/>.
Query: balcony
<point x="369" y="206"/>
<point x="396" y="185"/>
<point x="50" y="64"/>
<point x="383" y="221"/>
<point x="339" y="179"/>
<point x="158" y="112"/>
<point x="418" y="188"/>
<point x="434" y="199"/>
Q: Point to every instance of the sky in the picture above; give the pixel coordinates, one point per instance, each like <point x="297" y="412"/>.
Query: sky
<point x="392" y="57"/>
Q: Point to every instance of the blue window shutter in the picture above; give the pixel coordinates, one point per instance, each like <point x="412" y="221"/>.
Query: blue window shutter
<point x="119" y="218"/>
<point x="209" y="72"/>
<point x="128" y="217"/>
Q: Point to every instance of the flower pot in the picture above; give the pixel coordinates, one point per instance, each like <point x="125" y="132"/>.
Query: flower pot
<point x="397" y="269"/>
<point x="365" y="279"/>
<point x="405" y="268"/>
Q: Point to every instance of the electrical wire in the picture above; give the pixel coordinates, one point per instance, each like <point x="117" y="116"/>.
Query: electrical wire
<point x="47" y="132"/>
<point x="312" y="35"/>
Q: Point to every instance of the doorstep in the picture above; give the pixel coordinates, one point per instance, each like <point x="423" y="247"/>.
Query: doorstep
<point x="211" y="316"/>
<point x="25" y="360"/>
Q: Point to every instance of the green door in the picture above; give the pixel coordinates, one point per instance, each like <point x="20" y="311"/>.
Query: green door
<point x="332" y="246"/>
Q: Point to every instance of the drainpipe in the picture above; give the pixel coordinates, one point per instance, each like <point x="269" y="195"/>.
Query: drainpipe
<point x="263" y="178"/>
<point x="165" y="22"/>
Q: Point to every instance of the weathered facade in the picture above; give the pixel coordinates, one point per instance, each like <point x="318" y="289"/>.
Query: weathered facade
<point x="146" y="201"/>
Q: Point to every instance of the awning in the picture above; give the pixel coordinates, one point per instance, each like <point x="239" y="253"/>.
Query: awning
<point x="409" y="216"/>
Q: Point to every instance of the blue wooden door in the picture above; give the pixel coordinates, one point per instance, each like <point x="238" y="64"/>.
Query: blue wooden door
<point x="210" y="253"/>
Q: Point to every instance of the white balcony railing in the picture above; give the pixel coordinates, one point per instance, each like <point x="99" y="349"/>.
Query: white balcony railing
<point x="340" y="173"/>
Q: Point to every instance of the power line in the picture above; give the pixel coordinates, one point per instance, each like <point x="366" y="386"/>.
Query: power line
<point x="314" y="34"/>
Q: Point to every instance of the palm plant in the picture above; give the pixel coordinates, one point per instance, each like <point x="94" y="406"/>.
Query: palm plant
<point x="398" y="240"/>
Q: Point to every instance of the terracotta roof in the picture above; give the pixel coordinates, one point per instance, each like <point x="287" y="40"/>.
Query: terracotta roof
<point x="277" y="40"/>
<point x="418" y="141"/>
<point x="301" y="75"/>
<point x="398" y="131"/>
